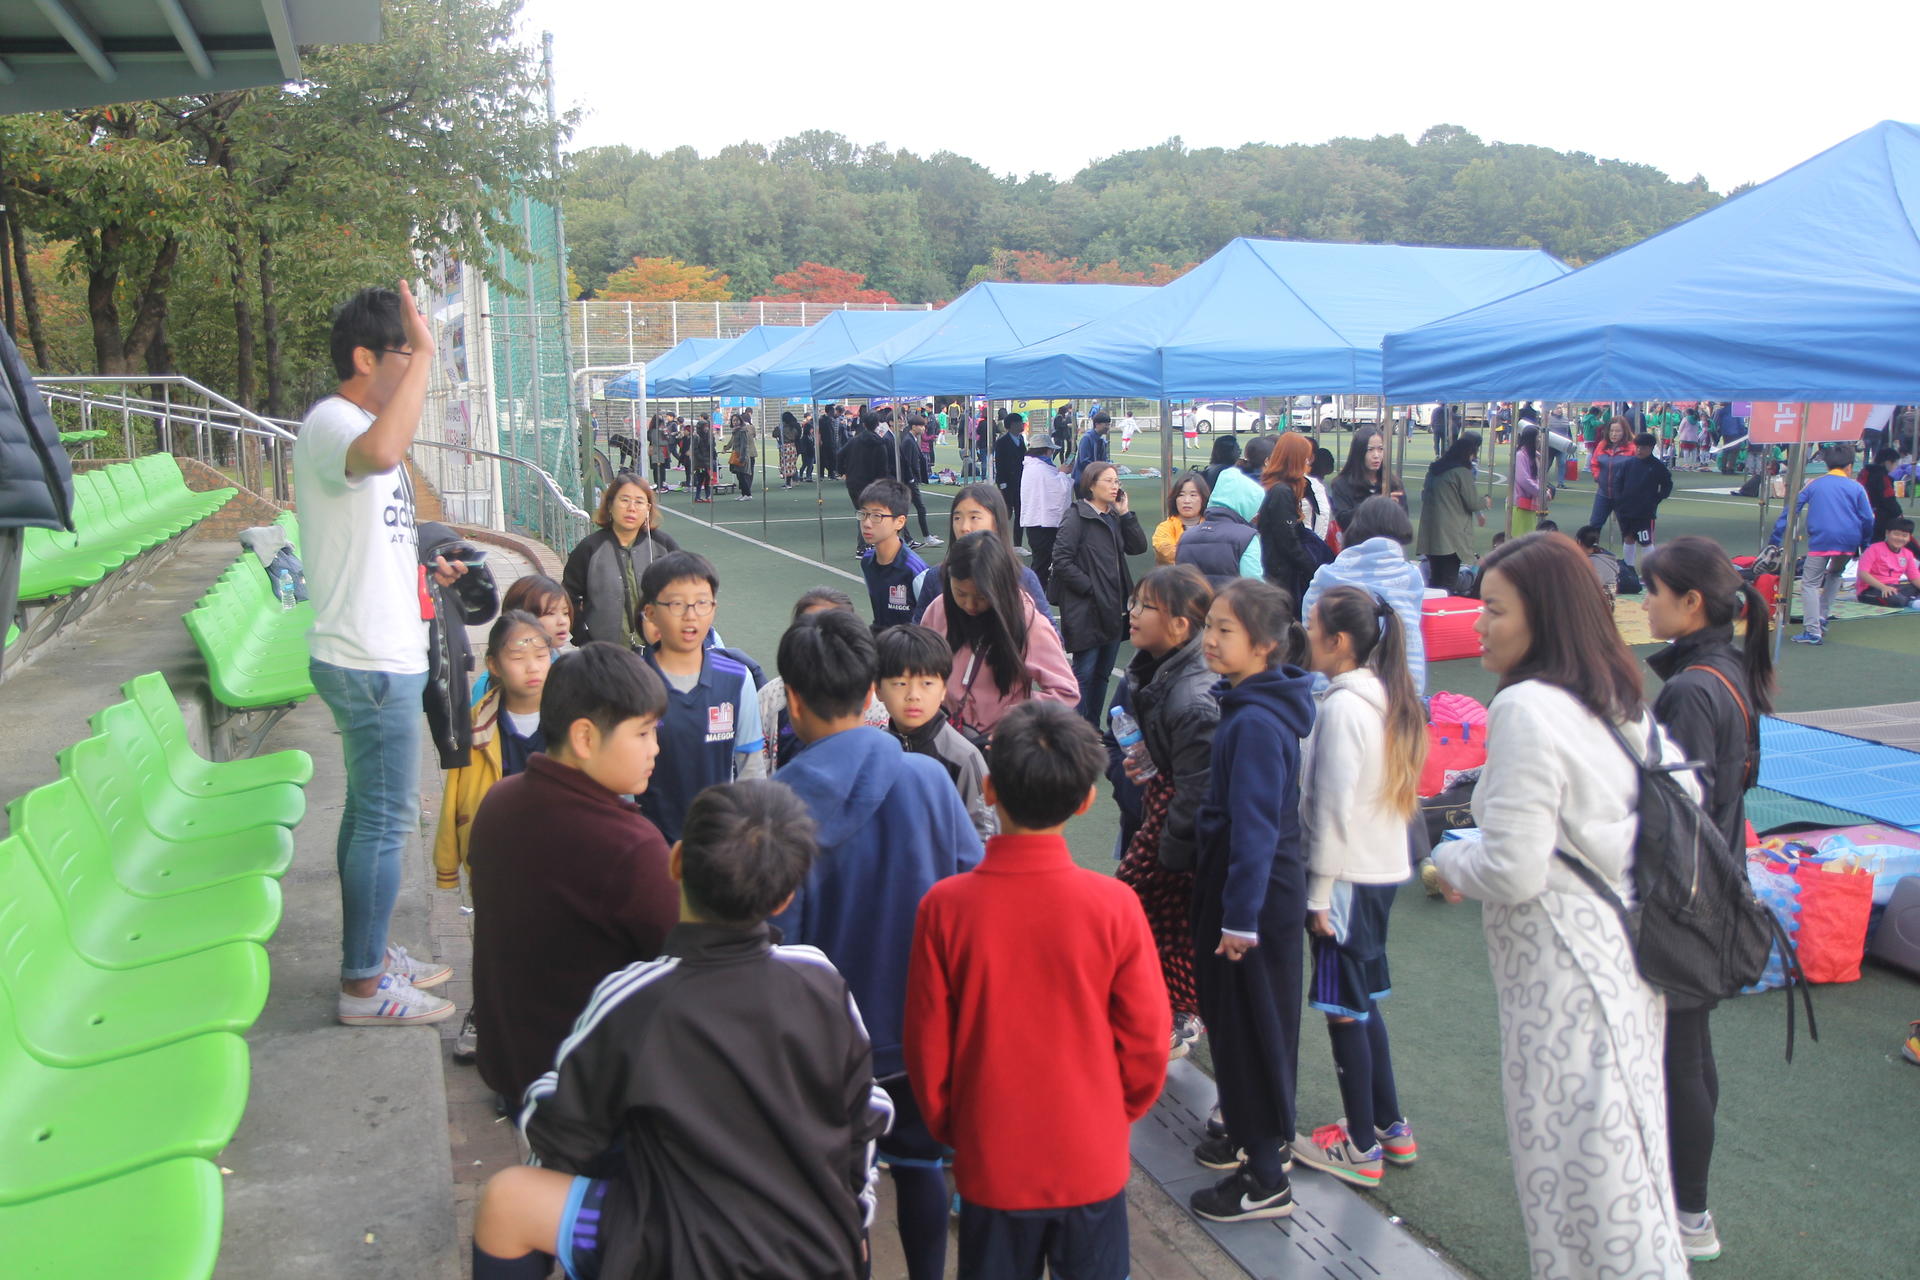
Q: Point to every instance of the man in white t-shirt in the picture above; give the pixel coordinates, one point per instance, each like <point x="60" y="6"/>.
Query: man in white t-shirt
<point x="369" y="639"/>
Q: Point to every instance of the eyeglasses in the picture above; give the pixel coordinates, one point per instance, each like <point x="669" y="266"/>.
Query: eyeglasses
<point x="1141" y="606"/>
<point x="394" y="351"/>
<point x="638" y="500"/>
<point x="687" y="608"/>
<point x="877" y="516"/>
<point x="527" y="644"/>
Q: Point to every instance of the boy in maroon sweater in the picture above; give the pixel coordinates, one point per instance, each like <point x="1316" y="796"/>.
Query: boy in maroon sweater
<point x="570" y="879"/>
<point x="1026" y="945"/>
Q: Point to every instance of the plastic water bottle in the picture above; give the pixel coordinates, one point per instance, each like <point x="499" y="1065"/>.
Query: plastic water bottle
<point x="1126" y="732"/>
<point x="283" y="587"/>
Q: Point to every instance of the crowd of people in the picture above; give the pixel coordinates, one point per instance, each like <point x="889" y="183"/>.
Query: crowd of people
<point x="738" y="939"/>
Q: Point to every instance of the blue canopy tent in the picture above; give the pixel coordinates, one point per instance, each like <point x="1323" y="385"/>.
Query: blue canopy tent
<point x="1806" y="288"/>
<point x="1265" y="317"/>
<point x="946" y="352"/>
<point x="671" y="364"/>
<point x="785" y="373"/>
<point x="695" y="381"/>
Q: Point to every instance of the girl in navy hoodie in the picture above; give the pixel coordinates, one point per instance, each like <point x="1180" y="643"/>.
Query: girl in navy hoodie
<point x="1249" y="897"/>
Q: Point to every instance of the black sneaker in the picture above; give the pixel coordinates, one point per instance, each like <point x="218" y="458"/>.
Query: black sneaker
<point x="1219" y="1153"/>
<point x="1216" y="1126"/>
<point x="1239" y="1198"/>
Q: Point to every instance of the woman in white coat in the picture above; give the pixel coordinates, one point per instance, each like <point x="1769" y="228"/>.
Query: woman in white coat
<point x="1581" y="1033"/>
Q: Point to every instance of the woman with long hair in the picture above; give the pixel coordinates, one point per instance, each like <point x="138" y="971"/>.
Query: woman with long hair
<point x="1366" y="475"/>
<point x="1291" y="462"/>
<point x="1711" y="702"/>
<point x="1226" y="452"/>
<point x="1092" y="581"/>
<point x="1449" y="509"/>
<point x="1004" y="651"/>
<point x="976" y="508"/>
<point x="790" y="435"/>
<point x="1566" y="731"/>
<point x="743" y="454"/>
<point x="602" y="575"/>
<point x="1529" y="496"/>
<point x="1170" y="690"/>
<point x="658" y="444"/>
<point x="1287" y="508"/>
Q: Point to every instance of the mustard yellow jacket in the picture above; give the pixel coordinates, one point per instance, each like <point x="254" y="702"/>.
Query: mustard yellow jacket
<point x="465" y="789"/>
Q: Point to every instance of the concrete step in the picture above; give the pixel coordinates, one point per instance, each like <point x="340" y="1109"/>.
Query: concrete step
<point x="341" y="1164"/>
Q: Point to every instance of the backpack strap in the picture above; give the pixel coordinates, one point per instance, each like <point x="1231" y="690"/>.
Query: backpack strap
<point x="1746" y="719"/>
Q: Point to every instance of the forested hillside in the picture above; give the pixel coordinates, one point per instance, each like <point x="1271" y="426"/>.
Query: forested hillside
<point x="922" y="228"/>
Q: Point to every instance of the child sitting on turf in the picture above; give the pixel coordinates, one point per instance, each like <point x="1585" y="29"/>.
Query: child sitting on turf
<point x="1358" y="792"/>
<point x="721" y="1097"/>
<point x="915" y="664"/>
<point x="569" y="880"/>
<point x="710" y="730"/>
<point x="1028" y="959"/>
<point x="887" y="564"/>
<point x="1606" y="568"/>
<point x="890" y="825"/>
<point x="1887" y="573"/>
<point x="506" y="731"/>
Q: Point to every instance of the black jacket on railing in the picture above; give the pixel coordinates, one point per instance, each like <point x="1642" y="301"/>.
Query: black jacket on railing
<point x="469" y="602"/>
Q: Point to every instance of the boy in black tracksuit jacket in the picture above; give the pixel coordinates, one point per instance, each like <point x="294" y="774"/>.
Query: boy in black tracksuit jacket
<point x="716" y="1106"/>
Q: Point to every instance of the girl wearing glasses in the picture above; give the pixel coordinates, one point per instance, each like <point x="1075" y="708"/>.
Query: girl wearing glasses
<point x="602" y="576"/>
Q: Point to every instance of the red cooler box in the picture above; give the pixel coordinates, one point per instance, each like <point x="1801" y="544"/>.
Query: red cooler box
<point x="1446" y="625"/>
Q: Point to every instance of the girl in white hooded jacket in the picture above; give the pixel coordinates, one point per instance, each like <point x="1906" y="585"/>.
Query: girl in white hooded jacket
<point x="1357" y="794"/>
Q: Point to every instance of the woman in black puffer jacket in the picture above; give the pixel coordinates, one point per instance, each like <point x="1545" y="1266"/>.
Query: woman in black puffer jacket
<point x="1091" y="581"/>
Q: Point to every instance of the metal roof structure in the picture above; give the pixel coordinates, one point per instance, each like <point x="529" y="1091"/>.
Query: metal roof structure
<point x="57" y="54"/>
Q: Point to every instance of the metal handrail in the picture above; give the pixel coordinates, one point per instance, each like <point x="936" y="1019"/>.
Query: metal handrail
<point x="561" y="523"/>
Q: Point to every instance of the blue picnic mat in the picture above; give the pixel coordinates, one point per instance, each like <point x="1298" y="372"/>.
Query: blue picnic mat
<point x="1834" y="769"/>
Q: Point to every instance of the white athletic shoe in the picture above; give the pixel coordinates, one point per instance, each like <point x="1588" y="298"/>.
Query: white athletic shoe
<point x="419" y="973"/>
<point x="395" y="1003"/>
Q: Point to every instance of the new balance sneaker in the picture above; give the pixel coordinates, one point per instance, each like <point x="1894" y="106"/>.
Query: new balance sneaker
<point x="395" y="1003"/>
<point x="1698" y="1240"/>
<point x="1186" y="1030"/>
<point x="1396" y="1142"/>
<point x="420" y="973"/>
<point x="1331" y="1150"/>
<point x="1239" y="1198"/>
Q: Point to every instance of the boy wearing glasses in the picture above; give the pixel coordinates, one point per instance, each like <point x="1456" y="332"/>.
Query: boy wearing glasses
<point x="710" y="732"/>
<point x="888" y="564"/>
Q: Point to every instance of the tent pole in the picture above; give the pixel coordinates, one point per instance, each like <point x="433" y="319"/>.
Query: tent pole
<point x="759" y="453"/>
<point x="1513" y="475"/>
<point x="1790" y="543"/>
<point x="1166" y="454"/>
<point x="819" y="479"/>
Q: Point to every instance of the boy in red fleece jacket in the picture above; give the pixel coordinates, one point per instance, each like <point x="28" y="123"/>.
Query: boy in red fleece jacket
<point x="1029" y="945"/>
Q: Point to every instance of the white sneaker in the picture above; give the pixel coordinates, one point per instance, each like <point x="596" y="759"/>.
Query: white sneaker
<point x="395" y="1003"/>
<point x="1702" y="1243"/>
<point x="932" y="540"/>
<point x="419" y="973"/>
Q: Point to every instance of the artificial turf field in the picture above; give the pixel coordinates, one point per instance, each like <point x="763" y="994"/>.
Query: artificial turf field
<point x="1815" y="1171"/>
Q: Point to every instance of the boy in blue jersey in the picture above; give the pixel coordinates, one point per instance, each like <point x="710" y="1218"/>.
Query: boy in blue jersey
<point x="711" y="731"/>
<point x="889" y="824"/>
<point x="888" y="564"/>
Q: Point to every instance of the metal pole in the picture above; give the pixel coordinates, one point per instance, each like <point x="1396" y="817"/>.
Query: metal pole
<point x="760" y="471"/>
<point x="819" y="480"/>
<point x="1783" y="604"/>
<point x="1166" y="454"/>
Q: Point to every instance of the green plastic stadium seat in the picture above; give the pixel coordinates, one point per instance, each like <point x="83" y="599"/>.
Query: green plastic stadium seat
<point x="190" y="771"/>
<point x="67" y="1127"/>
<point x="151" y="866"/>
<point x="160" y="473"/>
<point x="111" y="927"/>
<point x="96" y="502"/>
<point x="256" y="653"/>
<point x="159" y="1223"/>
<point x="55" y="562"/>
<point x="141" y="505"/>
<point x="171" y="813"/>
<point x="69" y="1013"/>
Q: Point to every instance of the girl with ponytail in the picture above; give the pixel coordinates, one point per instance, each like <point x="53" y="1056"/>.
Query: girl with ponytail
<point x="1711" y="704"/>
<point x="1358" y="791"/>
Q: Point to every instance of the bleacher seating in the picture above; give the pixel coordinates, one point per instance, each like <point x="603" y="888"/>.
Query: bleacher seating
<point x="256" y="652"/>
<point x="130" y="964"/>
<point x="126" y="516"/>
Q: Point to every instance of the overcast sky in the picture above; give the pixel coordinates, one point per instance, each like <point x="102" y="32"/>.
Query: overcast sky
<point x="1735" y="92"/>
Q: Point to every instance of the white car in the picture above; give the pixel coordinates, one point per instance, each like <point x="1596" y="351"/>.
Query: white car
<point x="1209" y="416"/>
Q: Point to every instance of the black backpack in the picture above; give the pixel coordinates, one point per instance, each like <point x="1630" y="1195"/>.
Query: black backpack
<point x="1629" y="581"/>
<point x="1697" y="930"/>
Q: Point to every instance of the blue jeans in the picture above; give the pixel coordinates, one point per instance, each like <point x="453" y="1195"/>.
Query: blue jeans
<point x="378" y="716"/>
<point x="1091" y="667"/>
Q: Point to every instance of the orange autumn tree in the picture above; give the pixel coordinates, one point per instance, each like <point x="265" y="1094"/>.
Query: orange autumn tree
<point x="666" y="280"/>
<point x="818" y="282"/>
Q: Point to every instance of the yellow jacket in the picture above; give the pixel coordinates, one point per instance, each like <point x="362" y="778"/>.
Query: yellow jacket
<point x="466" y="788"/>
<point x="1166" y="539"/>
